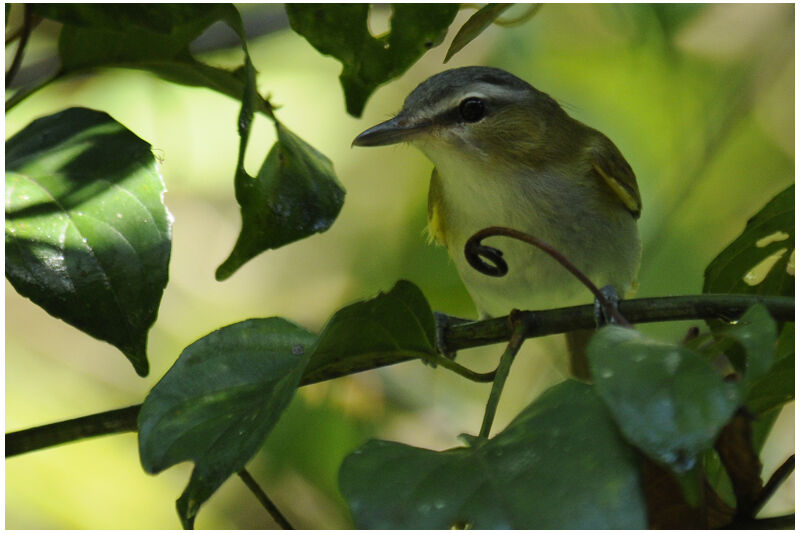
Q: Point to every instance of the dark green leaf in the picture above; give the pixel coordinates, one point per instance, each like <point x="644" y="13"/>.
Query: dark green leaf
<point x="341" y="31"/>
<point x="559" y="465"/>
<point x="391" y="327"/>
<point x="776" y="387"/>
<point x="295" y="194"/>
<point x="218" y="402"/>
<point x="756" y="262"/>
<point x="87" y="231"/>
<point x="152" y="37"/>
<point x="473" y="27"/>
<point x="183" y="21"/>
<point x="755" y="337"/>
<point x="667" y="400"/>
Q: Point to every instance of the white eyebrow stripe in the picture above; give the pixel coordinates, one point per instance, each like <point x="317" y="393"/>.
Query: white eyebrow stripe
<point x="482" y="90"/>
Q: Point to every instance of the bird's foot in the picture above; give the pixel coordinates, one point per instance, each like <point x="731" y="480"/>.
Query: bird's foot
<point x="603" y="316"/>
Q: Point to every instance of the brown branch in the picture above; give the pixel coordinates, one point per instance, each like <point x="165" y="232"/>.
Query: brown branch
<point x="458" y="336"/>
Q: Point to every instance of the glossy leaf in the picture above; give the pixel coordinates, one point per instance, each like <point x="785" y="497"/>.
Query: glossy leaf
<point x="559" y="465"/>
<point x="394" y="326"/>
<point x="219" y="401"/>
<point x="88" y="236"/>
<point x="341" y="31"/>
<point x="667" y="400"/>
<point x="294" y="195"/>
<point x="474" y="26"/>
<point x="757" y="261"/>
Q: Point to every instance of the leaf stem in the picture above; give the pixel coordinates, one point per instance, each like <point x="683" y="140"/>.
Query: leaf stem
<point x="514" y="344"/>
<point x="262" y="497"/>
<point x="463" y="371"/>
<point x="27" y="28"/>
<point x="775" y="481"/>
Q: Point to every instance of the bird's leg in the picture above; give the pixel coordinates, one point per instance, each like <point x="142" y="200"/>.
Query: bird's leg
<point x="603" y="316"/>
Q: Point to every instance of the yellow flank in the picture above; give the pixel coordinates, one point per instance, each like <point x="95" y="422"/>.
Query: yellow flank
<point x="436" y="229"/>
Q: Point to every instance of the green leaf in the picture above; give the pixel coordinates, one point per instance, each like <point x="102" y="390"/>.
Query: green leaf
<point x="559" y="465"/>
<point x="295" y="194"/>
<point x="391" y="327"/>
<point x="776" y="387"/>
<point x="152" y="37"/>
<point x="218" y="402"/>
<point x="667" y="400"/>
<point x="88" y="236"/>
<point x="183" y="21"/>
<point x="341" y="31"/>
<point x="756" y="334"/>
<point x="757" y="261"/>
<point x="474" y="26"/>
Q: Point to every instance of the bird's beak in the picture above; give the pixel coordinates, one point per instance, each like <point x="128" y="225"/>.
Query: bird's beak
<point x="393" y="131"/>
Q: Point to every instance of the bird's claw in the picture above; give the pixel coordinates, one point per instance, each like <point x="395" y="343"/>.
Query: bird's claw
<point x="603" y="316"/>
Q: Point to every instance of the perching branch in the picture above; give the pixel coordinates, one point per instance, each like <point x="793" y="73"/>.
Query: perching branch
<point x="457" y="337"/>
<point x="475" y="252"/>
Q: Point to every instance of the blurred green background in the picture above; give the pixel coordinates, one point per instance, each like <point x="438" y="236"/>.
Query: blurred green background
<point x="699" y="98"/>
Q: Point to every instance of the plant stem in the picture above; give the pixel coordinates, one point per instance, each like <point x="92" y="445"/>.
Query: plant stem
<point x="27" y="28"/>
<point x="458" y="336"/>
<point x="517" y="338"/>
<point x="271" y="508"/>
<point x="775" y="481"/>
<point x="109" y="422"/>
<point x="640" y="310"/>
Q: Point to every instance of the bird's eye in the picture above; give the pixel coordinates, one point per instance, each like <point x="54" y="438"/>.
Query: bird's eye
<point x="472" y="109"/>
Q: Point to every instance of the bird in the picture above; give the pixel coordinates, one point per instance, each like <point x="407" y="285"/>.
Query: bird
<point x="507" y="154"/>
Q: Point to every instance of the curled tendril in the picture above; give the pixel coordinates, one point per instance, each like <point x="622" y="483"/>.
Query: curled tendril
<point x="475" y="253"/>
<point x="478" y="254"/>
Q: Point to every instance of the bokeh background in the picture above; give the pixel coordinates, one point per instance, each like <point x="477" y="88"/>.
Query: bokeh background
<point x="699" y="98"/>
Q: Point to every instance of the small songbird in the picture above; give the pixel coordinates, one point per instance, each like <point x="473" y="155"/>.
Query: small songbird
<point x="507" y="154"/>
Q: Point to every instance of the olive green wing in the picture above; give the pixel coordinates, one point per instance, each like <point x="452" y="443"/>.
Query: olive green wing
<point x="610" y="165"/>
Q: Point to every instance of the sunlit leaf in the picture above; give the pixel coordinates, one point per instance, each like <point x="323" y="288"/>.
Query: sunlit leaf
<point x="218" y="402"/>
<point x="391" y="327"/>
<point x="758" y="260"/>
<point x="667" y="400"/>
<point x="88" y="236"/>
<point x="559" y="465"/>
<point x="474" y="26"/>
<point x="341" y="31"/>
